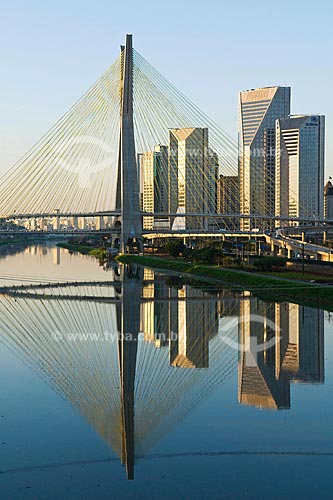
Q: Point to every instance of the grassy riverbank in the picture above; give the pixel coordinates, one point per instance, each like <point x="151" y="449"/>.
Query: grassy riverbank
<point x="13" y="241"/>
<point x="83" y="249"/>
<point x="269" y="288"/>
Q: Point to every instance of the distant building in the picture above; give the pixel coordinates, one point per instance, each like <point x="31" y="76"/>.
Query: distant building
<point x="190" y="176"/>
<point x="228" y="199"/>
<point x="299" y="180"/>
<point x="258" y="111"/>
<point x="153" y="168"/>
<point x="328" y="200"/>
<point x="213" y="179"/>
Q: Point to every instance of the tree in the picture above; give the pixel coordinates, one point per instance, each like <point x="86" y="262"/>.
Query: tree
<point x="269" y="263"/>
<point x="174" y="247"/>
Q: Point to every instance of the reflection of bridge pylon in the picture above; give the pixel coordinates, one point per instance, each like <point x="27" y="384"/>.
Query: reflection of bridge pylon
<point x="128" y="347"/>
<point x="128" y="390"/>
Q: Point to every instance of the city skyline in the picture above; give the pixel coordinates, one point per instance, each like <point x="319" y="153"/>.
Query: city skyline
<point x="51" y="82"/>
<point x="166" y="249"/>
<point x="149" y="107"/>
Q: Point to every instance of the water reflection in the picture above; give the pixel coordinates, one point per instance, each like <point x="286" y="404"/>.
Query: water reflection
<point x="134" y="355"/>
<point x="297" y="354"/>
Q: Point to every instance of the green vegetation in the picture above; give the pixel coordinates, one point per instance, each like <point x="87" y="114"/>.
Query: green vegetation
<point x="212" y="252"/>
<point x="267" y="264"/>
<point x="100" y="253"/>
<point x="175" y="248"/>
<point x="265" y="287"/>
<point x="12" y="241"/>
<point x="84" y="249"/>
<point x="77" y="247"/>
<point x="298" y="275"/>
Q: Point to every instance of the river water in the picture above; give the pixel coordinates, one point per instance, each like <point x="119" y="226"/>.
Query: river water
<point x="125" y="383"/>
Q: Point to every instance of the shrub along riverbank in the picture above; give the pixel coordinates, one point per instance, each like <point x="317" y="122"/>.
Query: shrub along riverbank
<point x="265" y="287"/>
<point x="84" y="249"/>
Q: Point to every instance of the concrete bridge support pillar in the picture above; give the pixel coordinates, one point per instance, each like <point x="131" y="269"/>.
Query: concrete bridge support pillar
<point x="75" y="222"/>
<point x="280" y="251"/>
<point x="99" y="223"/>
<point x="289" y="253"/>
<point x="56" y="224"/>
<point x="303" y="236"/>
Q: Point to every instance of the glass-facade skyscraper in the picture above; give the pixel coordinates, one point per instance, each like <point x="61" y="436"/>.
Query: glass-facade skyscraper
<point x="300" y="146"/>
<point x="258" y="111"/>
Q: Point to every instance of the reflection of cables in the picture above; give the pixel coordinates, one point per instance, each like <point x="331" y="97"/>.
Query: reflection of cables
<point x="84" y="367"/>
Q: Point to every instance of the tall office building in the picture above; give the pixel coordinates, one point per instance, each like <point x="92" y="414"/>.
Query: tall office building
<point x="328" y="200"/>
<point x="153" y="168"/>
<point x="300" y="147"/>
<point x="190" y="176"/>
<point x="258" y="111"/>
<point x="213" y="179"/>
<point x="228" y="199"/>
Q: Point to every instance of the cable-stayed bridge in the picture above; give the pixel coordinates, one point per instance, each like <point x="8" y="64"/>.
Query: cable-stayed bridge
<point x="87" y="165"/>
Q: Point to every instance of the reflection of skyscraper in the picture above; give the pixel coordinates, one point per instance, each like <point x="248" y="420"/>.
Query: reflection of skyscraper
<point x="155" y="310"/>
<point x="197" y="323"/>
<point x="301" y="346"/>
<point x="147" y="323"/>
<point x="258" y="111"/>
<point x="297" y="353"/>
<point x="184" y="313"/>
<point x="257" y="382"/>
<point x="56" y="256"/>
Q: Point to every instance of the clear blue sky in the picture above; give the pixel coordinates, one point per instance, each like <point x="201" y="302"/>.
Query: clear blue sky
<point x="52" y="51"/>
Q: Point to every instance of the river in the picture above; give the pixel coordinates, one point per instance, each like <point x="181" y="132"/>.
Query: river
<point x="120" y="382"/>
